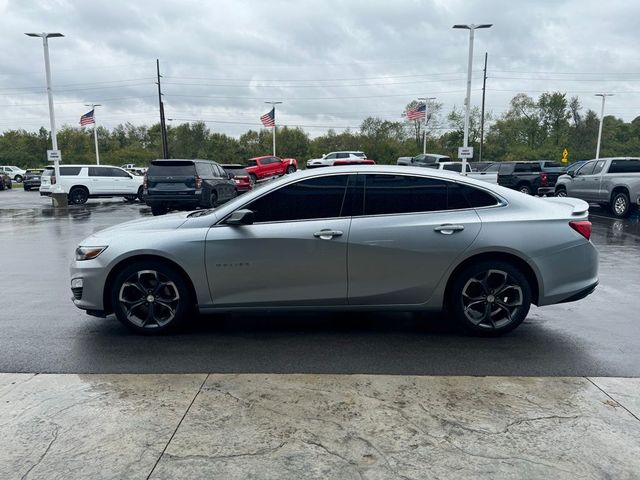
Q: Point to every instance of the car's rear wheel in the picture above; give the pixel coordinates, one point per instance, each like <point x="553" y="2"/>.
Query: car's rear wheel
<point x="561" y="192"/>
<point x="78" y="195"/>
<point x="158" y="209"/>
<point x="525" y="188"/>
<point x="26" y="189"/>
<point x="140" y="194"/>
<point x="18" y="178"/>
<point x="291" y="169"/>
<point x="490" y="298"/>
<point x="213" y="199"/>
<point x="620" y="205"/>
<point x="151" y="298"/>
<point x="253" y="179"/>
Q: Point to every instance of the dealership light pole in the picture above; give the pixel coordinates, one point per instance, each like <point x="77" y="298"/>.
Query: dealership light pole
<point x="95" y="128"/>
<point x="603" y="95"/>
<point x="59" y="197"/>
<point x="273" y="104"/>
<point x="472" y="28"/>
<point x="426" y="101"/>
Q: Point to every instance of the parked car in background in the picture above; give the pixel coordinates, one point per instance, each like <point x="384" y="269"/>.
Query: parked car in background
<point x="82" y="182"/>
<point x="423" y="159"/>
<point x="530" y="177"/>
<point x="186" y="185"/>
<point x="490" y="177"/>
<point x="330" y="159"/>
<point x="137" y="170"/>
<point x="268" y="166"/>
<point x="16" y="173"/>
<point x="239" y="175"/>
<point x="614" y="183"/>
<point x="5" y="181"/>
<point x="31" y="180"/>
<point x="418" y="239"/>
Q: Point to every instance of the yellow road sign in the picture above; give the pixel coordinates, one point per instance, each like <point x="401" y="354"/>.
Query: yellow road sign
<point x="565" y="155"/>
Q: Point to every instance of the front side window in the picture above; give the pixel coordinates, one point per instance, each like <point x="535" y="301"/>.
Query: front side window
<point x="117" y="172"/>
<point x="493" y="168"/>
<point x="586" y="169"/>
<point x="331" y="156"/>
<point x="314" y="198"/>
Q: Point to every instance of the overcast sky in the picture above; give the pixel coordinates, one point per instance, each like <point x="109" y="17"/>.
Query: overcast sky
<point x="332" y="63"/>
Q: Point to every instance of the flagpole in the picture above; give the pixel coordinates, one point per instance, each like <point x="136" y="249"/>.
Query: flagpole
<point x="273" y="104"/>
<point x="424" y="128"/>
<point x="95" y="129"/>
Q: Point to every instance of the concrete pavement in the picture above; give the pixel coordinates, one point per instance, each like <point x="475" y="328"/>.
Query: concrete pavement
<point x="317" y="426"/>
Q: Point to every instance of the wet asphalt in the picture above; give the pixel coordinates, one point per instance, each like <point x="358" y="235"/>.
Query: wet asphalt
<point x="41" y="331"/>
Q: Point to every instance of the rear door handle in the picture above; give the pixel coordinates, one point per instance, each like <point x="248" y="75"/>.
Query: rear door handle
<point x="327" y="234"/>
<point x="448" y="229"/>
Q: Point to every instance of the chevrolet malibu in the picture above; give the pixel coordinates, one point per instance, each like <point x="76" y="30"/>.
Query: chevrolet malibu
<point x="346" y="238"/>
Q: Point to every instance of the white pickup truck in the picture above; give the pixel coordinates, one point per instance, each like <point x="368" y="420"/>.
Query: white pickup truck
<point x="490" y="177"/>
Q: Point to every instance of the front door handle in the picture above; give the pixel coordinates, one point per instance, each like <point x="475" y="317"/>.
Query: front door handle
<point x="448" y="229"/>
<point x="327" y="234"/>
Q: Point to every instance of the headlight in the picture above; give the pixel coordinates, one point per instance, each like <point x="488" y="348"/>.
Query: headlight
<point x="88" y="253"/>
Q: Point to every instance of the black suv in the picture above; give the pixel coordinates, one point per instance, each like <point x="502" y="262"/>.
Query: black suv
<point x="186" y="185"/>
<point x="530" y="177"/>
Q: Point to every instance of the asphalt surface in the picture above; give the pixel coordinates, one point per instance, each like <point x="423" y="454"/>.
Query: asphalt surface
<point x="41" y="330"/>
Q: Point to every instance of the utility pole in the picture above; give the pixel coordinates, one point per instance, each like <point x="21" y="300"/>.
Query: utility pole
<point x="603" y="95"/>
<point x="95" y="128"/>
<point x="426" y="115"/>
<point x="163" y="126"/>
<point x="484" y="89"/>
<point x="273" y="104"/>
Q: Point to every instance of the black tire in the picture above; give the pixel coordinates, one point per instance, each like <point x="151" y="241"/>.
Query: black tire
<point x="26" y="189"/>
<point x="620" y="205"/>
<point x="130" y="198"/>
<point x="253" y="179"/>
<point x="525" y="188"/>
<point x="10" y="186"/>
<point x="78" y="195"/>
<point x="561" y="192"/>
<point x="213" y="200"/>
<point x="151" y="298"/>
<point x="291" y="169"/>
<point x="141" y="194"/>
<point x="17" y="179"/>
<point x="472" y="298"/>
<point x="158" y="209"/>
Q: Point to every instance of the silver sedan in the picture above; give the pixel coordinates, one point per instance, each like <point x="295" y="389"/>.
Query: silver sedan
<point x="346" y="238"/>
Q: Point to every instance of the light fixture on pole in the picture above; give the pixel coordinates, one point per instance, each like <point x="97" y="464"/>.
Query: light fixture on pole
<point x="58" y="195"/>
<point x="426" y="101"/>
<point x="472" y="28"/>
<point x="95" y="128"/>
<point x="273" y="104"/>
<point x="603" y="95"/>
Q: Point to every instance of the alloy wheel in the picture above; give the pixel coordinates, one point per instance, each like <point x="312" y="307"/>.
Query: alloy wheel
<point x="491" y="299"/>
<point x="149" y="299"/>
<point x="620" y="205"/>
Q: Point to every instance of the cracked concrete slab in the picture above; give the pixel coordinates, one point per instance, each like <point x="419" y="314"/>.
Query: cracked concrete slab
<point x="383" y="427"/>
<point x="89" y="426"/>
<point x="625" y="391"/>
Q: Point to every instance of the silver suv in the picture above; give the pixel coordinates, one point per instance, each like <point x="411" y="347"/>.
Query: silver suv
<point x="614" y="183"/>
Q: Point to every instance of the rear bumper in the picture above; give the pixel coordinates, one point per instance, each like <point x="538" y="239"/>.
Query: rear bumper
<point x="174" y="199"/>
<point x="546" y="190"/>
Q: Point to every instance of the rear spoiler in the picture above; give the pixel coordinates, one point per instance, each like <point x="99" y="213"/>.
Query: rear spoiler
<point x="579" y="206"/>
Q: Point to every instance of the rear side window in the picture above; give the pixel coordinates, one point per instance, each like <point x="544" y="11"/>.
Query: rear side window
<point x="454" y="167"/>
<point x="70" y="171"/>
<point x="475" y="197"/>
<point x="172" y="169"/>
<point x="527" y="167"/>
<point x="552" y="165"/>
<point x="625" y="166"/>
<point x="305" y="200"/>
<point x="99" y="172"/>
<point x="205" y="170"/>
<point x="389" y="194"/>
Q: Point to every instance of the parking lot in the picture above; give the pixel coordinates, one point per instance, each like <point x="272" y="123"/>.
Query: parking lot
<point x="43" y="332"/>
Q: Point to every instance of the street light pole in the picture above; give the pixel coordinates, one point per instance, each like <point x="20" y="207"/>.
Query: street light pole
<point x="273" y="104"/>
<point x="426" y="101"/>
<point x="52" y="118"/>
<point x="603" y="95"/>
<point x="472" y="28"/>
<point x="95" y="128"/>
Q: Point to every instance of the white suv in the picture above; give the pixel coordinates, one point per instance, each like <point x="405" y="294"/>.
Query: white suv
<point x="328" y="159"/>
<point x="81" y="182"/>
<point x="16" y="173"/>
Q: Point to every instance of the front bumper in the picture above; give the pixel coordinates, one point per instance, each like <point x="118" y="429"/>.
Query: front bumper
<point x="90" y="296"/>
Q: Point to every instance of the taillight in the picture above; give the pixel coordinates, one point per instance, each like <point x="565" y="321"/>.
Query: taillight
<point x="544" y="178"/>
<point x="53" y="179"/>
<point x="198" y="182"/>
<point x="583" y="227"/>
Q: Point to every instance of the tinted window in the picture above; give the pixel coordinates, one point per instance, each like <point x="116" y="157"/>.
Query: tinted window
<point x="587" y="168"/>
<point x="172" y="169"/>
<point x="314" y="198"/>
<point x="552" y="165"/>
<point x="342" y="155"/>
<point x="252" y="163"/>
<point x="454" y="167"/>
<point x="494" y="167"/>
<point x="330" y="156"/>
<point x="387" y="194"/>
<point x="116" y="172"/>
<point x="205" y="170"/>
<point x="71" y="171"/>
<point x="527" y="167"/>
<point x="625" y="166"/>
<point x="599" y="166"/>
<point x="477" y="198"/>
<point x="99" y="172"/>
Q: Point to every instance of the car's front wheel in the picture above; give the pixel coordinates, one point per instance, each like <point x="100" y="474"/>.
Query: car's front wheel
<point x="561" y="192"/>
<point x="18" y="178"/>
<point x="490" y="298"/>
<point x="620" y="205"/>
<point x="151" y="297"/>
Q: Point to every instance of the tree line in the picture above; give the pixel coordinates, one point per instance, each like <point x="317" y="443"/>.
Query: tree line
<point x="532" y="128"/>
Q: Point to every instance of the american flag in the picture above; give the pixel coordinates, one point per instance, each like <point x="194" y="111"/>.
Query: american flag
<point x="269" y="119"/>
<point x="417" y="112"/>
<point x="87" y="119"/>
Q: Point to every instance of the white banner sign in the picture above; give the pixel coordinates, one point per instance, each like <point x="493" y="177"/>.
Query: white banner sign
<point x="53" y="155"/>
<point x="465" y="152"/>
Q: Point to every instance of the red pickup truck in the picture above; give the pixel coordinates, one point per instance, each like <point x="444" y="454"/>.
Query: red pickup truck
<point x="269" y="166"/>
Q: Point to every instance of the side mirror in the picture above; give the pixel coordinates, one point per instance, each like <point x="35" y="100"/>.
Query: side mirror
<point x="230" y="175"/>
<point x="240" y="217"/>
<point x="571" y="173"/>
